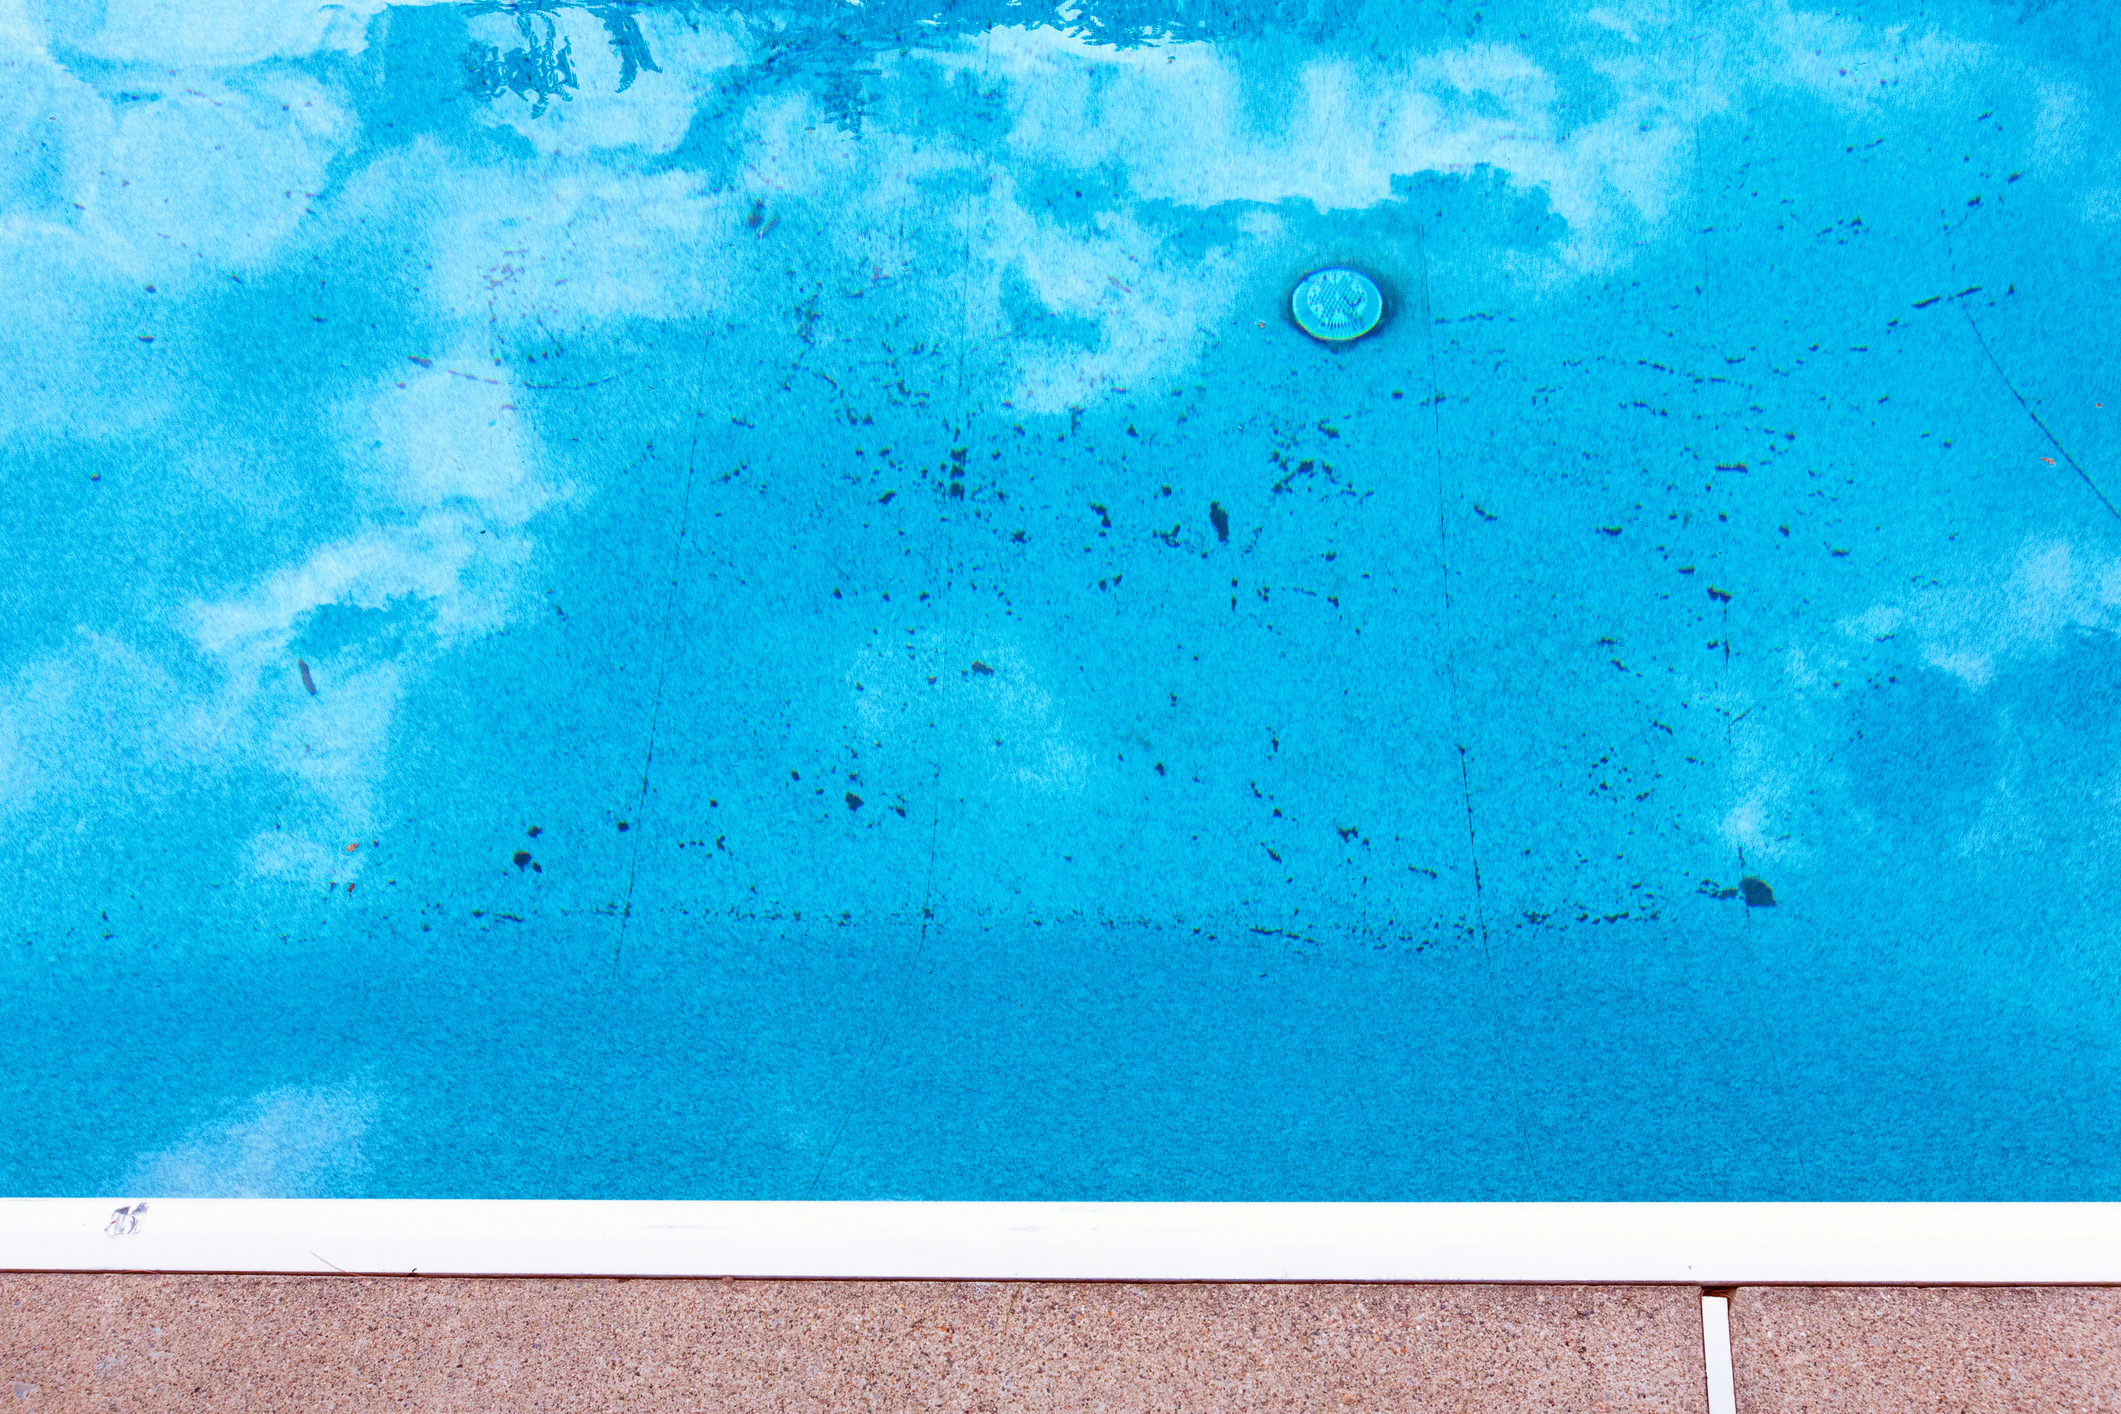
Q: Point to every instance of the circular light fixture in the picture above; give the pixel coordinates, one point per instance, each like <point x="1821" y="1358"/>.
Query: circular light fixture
<point x="1337" y="305"/>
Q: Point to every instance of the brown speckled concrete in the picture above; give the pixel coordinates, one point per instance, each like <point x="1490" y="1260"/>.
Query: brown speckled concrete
<point x="1969" y="1350"/>
<point x="341" y="1344"/>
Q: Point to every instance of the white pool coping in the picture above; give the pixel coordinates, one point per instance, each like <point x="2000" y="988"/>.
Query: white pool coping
<point x="1701" y="1244"/>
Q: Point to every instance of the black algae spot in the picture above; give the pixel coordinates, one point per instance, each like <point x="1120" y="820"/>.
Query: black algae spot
<point x="521" y="859"/>
<point x="1609" y="530"/>
<point x="1718" y="595"/>
<point x="307" y="680"/>
<point x="1757" y="893"/>
<point x="534" y="831"/>
<point x="624" y="827"/>
<point x="1221" y="520"/>
<point x="1159" y="768"/>
<point x="854" y="802"/>
<point x="982" y="669"/>
<point x="885" y="499"/>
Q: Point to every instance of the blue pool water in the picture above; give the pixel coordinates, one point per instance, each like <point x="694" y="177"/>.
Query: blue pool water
<point x="658" y="600"/>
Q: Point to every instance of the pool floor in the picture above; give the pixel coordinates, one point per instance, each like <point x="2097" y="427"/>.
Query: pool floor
<point x="658" y="601"/>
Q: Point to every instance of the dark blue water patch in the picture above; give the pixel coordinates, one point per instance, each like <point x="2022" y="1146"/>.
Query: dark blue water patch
<point x="1921" y="754"/>
<point x="1030" y="319"/>
<point x="800" y="32"/>
<point x="2063" y="760"/>
<point x="835" y="52"/>
<point x="412" y="84"/>
<point x="366" y="634"/>
<point x="1480" y="208"/>
<point x="510" y="1058"/>
<point x="1869" y="1008"/>
<point x="540" y="69"/>
<point x="2058" y="706"/>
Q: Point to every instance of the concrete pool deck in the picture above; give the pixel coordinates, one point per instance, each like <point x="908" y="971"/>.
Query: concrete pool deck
<point x="71" y="1341"/>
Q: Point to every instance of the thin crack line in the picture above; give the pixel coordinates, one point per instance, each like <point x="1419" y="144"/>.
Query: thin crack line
<point x="964" y="343"/>
<point x="2053" y="440"/>
<point x="655" y="707"/>
<point x="935" y="818"/>
<point x="1450" y="660"/>
<point x="920" y="945"/>
<point x="655" y="715"/>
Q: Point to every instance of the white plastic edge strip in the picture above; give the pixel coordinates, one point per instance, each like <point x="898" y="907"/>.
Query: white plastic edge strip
<point x="1709" y="1244"/>
<point x="1716" y="1354"/>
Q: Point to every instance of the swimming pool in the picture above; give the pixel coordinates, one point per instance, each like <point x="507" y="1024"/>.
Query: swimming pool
<point x="657" y="601"/>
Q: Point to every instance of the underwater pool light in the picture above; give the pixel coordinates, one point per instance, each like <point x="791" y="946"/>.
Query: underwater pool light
<point x="1337" y="305"/>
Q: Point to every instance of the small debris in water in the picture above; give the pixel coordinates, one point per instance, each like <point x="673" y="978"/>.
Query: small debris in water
<point x="307" y="681"/>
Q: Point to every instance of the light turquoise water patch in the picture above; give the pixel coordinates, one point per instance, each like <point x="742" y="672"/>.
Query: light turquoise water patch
<point x="644" y="600"/>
